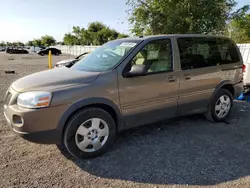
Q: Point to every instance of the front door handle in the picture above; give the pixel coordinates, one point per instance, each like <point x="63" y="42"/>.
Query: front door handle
<point x="172" y="79"/>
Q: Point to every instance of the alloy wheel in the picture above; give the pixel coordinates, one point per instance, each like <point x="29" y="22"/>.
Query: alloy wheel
<point x="92" y="135"/>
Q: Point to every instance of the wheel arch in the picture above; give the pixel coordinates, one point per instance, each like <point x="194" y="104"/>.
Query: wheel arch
<point x="226" y="84"/>
<point x="210" y="114"/>
<point x="102" y="103"/>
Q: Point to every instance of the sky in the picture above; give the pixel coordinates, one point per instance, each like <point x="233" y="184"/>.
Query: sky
<point x="23" y="20"/>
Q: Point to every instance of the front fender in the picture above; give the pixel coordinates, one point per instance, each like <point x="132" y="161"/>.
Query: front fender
<point x="88" y="102"/>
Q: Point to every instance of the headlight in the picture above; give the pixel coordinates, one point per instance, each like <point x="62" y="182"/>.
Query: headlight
<point x="36" y="99"/>
<point x="59" y="65"/>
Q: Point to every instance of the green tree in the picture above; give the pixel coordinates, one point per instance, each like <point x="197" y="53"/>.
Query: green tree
<point x="59" y="43"/>
<point x="2" y="44"/>
<point x="121" y="35"/>
<point x="77" y="35"/>
<point x="97" y="33"/>
<point x="86" y="37"/>
<point x="19" y="44"/>
<point x="37" y="42"/>
<point x="30" y="43"/>
<point x="96" y="27"/>
<point x="179" y="16"/>
<point x="9" y="43"/>
<point x="70" y="39"/>
<point x="47" y="40"/>
<point x="15" y="44"/>
<point x="239" y="26"/>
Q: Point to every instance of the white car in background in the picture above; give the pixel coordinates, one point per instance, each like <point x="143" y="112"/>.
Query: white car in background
<point x="245" y="53"/>
<point x="246" y="77"/>
<point x="70" y="62"/>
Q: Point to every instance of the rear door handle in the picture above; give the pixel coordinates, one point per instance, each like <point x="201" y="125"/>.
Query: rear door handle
<point x="187" y="77"/>
<point x="172" y="79"/>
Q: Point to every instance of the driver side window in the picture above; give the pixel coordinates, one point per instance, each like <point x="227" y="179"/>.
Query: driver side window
<point x="156" y="56"/>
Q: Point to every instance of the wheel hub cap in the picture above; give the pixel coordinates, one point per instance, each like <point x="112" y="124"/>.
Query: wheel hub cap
<point x="222" y="106"/>
<point x="92" y="135"/>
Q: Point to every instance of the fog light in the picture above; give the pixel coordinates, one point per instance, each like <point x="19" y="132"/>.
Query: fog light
<point x="17" y="120"/>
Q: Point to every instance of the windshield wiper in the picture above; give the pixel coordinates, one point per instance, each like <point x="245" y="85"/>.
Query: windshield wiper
<point x="71" y="63"/>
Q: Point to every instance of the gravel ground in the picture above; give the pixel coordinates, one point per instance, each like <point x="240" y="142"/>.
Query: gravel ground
<point x="190" y="152"/>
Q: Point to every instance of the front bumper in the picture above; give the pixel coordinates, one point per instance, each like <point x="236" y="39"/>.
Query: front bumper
<point x="39" y="126"/>
<point x="35" y="125"/>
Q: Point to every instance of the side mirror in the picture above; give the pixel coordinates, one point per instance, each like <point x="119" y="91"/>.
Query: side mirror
<point x="136" y="70"/>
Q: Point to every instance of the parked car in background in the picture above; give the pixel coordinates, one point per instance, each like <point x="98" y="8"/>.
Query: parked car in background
<point x="16" y="50"/>
<point x="2" y="49"/>
<point x="54" y="51"/>
<point x="245" y="48"/>
<point x="70" y="62"/>
<point x="123" y="84"/>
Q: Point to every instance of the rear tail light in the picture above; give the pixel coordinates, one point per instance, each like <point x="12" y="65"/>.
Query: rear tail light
<point x="244" y="68"/>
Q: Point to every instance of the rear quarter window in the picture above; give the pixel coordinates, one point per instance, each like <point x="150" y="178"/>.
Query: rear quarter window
<point x="228" y="51"/>
<point x="199" y="52"/>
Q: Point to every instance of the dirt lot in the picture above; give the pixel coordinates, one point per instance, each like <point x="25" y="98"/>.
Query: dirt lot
<point x="188" y="152"/>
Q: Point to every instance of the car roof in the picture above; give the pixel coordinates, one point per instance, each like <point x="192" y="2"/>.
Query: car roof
<point x="51" y="48"/>
<point x="153" y="37"/>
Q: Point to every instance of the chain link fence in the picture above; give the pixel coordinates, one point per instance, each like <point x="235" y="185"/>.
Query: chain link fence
<point x="75" y="50"/>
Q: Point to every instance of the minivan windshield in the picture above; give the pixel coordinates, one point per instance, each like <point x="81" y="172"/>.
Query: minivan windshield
<point x="105" y="57"/>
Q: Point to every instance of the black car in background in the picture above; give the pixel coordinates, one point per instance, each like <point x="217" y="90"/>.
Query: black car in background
<point x="16" y="50"/>
<point x="54" y="51"/>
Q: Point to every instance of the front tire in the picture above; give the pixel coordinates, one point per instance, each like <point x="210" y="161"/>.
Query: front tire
<point x="89" y="133"/>
<point x="220" y="106"/>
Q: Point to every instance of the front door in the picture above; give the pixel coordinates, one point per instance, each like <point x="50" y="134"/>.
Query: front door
<point x="152" y="97"/>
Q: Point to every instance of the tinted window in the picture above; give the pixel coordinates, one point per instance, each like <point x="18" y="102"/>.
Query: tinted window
<point x="156" y="55"/>
<point x="51" y="49"/>
<point x="205" y="52"/>
<point x="228" y="51"/>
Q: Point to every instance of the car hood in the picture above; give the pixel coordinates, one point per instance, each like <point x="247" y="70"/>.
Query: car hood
<point x="53" y="79"/>
<point x="65" y="61"/>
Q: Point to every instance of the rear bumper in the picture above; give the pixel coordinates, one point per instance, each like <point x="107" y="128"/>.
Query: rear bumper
<point x="238" y="89"/>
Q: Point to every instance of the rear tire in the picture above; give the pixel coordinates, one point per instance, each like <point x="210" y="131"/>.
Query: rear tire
<point x="220" y="106"/>
<point x="89" y="133"/>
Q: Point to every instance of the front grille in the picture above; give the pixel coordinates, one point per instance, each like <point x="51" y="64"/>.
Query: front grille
<point x="7" y="98"/>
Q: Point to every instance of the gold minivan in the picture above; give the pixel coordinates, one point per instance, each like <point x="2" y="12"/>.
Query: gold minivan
<point x="123" y="84"/>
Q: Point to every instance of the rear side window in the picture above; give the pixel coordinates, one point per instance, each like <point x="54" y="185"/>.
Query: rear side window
<point x="202" y="52"/>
